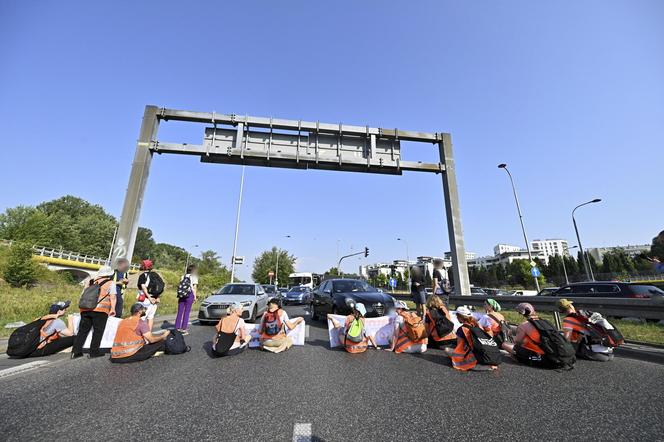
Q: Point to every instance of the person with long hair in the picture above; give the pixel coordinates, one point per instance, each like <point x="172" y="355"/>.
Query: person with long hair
<point x="440" y="327"/>
<point x="353" y="334"/>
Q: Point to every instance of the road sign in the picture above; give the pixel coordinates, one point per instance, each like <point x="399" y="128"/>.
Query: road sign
<point x="270" y="273"/>
<point x="393" y="282"/>
<point x="533" y="264"/>
<point x="238" y="260"/>
<point x="536" y="272"/>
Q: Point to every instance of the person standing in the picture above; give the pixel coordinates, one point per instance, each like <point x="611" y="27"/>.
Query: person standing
<point x="97" y="317"/>
<point x="188" y="284"/>
<point x="418" y="293"/>
<point x="149" y="300"/>
<point x="440" y="283"/>
<point x="120" y="279"/>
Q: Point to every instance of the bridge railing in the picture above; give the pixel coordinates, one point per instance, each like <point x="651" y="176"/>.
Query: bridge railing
<point x="72" y="256"/>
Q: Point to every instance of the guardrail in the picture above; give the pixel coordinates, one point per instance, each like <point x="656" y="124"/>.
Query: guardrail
<point x="625" y="307"/>
<point x="72" y="256"/>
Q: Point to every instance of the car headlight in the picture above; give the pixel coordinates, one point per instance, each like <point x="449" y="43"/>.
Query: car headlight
<point x="204" y="304"/>
<point x="246" y="303"/>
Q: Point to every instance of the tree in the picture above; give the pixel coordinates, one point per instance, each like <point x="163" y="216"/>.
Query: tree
<point x="267" y="261"/>
<point x="145" y="246"/>
<point x="657" y="247"/>
<point x="209" y="263"/>
<point x="20" y="270"/>
<point x="332" y="272"/>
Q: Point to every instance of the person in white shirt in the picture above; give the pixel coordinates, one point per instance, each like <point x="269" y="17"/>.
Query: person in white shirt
<point x="231" y="338"/>
<point x="185" y="303"/>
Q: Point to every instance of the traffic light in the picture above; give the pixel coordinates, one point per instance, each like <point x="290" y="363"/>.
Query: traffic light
<point x="366" y="252"/>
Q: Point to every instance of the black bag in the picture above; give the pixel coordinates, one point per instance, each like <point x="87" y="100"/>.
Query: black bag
<point x="505" y="332"/>
<point x="558" y="352"/>
<point x="175" y="344"/>
<point x="24" y="340"/>
<point x="484" y="347"/>
<point x="224" y="343"/>
<point x="443" y="325"/>
<point x="156" y="285"/>
<point x="184" y="287"/>
<point x="90" y="297"/>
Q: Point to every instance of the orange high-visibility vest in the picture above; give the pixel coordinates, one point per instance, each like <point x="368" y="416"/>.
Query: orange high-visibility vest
<point x="495" y="329"/>
<point x="44" y="338"/>
<point x="462" y="356"/>
<point x="431" y="327"/>
<point x="403" y="342"/>
<point x="576" y="325"/>
<point x="532" y="340"/>
<point x="127" y="342"/>
<point x="104" y="299"/>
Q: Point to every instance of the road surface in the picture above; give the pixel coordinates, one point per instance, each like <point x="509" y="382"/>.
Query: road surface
<point x="376" y="396"/>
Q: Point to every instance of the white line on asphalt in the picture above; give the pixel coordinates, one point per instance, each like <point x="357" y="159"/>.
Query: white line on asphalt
<point x="21" y="368"/>
<point x="302" y="433"/>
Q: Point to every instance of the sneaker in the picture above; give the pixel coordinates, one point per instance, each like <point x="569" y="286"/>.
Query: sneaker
<point x="184" y="332"/>
<point x="159" y="353"/>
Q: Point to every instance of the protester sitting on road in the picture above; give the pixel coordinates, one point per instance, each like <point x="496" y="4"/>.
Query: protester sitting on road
<point x="527" y="347"/>
<point x="96" y="318"/>
<point x="440" y="327"/>
<point x="494" y="322"/>
<point x="576" y="328"/>
<point x="54" y="335"/>
<point x="273" y="328"/>
<point x="462" y="356"/>
<point x="418" y="293"/>
<point x="410" y="335"/>
<point x="189" y="279"/>
<point x="120" y="278"/>
<point x="149" y="301"/>
<point x="134" y="341"/>
<point x="352" y="334"/>
<point x="232" y="338"/>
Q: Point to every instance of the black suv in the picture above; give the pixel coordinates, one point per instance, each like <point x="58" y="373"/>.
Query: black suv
<point x="608" y="289"/>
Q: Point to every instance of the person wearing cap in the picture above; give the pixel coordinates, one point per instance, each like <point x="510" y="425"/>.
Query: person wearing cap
<point x="356" y="318"/>
<point x="576" y="330"/>
<point x="97" y="317"/>
<point x="462" y="356"/>
<point x="404" y="328"/>
<point x="232" y="337"/>
<point x="134" y="341"/>
<point x="437" y="317"/>
<point x="149" y="301"/>
<point x="120" y="278"/>
<point x="494" y="322"/>
<point x="54" y="335"/>
<point x="273" y="327"/>
<point x="526" y="347"/>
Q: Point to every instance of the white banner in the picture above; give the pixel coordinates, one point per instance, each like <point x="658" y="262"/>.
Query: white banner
<point x="109" y="331"/>
<point x="297" y="334"/>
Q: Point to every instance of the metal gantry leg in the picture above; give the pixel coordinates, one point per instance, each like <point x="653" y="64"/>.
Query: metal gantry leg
<point x="453" y="213"/>
<point x="140" y="169"/>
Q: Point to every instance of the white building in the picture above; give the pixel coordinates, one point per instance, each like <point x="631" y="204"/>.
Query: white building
<point x="469" y="256"/>
<point x="506" y="254"/>
<point x="630" y="250"/>
<point x="505" y="248"/>
<point x="550" y="247"/>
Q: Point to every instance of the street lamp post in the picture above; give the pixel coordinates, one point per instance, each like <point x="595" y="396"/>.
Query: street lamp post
<point x="586" y="261"/>
<point x="407" y="261"/>
<point x="518" y="208"/>
<point x="564" y="267"/>
<point x="237" y="225"/>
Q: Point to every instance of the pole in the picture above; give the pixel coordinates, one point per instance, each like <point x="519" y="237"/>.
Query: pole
<point x="523" y="229"/>
<point x="237" y="225"/>
<point x="565" y="270"/>
<point x="346" y="256"/>
<point x="110" y="252"/>
<point x="276" y="272"/>
<point x="586" y="260"/>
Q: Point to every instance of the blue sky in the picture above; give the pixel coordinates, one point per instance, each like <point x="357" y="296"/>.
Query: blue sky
<point x="569" y="94"/>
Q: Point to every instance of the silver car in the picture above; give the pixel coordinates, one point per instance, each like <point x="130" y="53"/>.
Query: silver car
<point x="252" y="297"/>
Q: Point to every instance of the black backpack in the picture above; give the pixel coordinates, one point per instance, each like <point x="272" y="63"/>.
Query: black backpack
<point x="442" y="324"/>
<point x="484" y="347"/>
<point x="184" y="287"/>
<point x="175" y="344"/>
<point x="156" y="285"/>
<point x="90" y="297"/>
<point x="24" y="340"/>
<point x="558" y="352"/>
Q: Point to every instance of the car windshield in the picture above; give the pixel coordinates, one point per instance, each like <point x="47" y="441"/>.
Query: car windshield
<point x="351" y="286"/>
<point x="647" y="290"/>
<point x="269" y="289"/>
<point x="298" y="289"/>
<point x="236" y="289"/>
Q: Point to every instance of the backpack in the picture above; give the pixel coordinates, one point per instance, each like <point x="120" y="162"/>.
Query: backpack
<point x="24" y="340"/>
<point x="156" y="285"/>
<point x="558" y="352"/>
<point x="175" y="344"/>
<point x="272" y="322"/>
<point x="90" y="297"/>
<point x="354" y="332"/>
<point x="505" y="333"/>
<point x="413" y="326"/>
<point x="484" y="347"/>
<point x="184" y="287"/>
<point x="441" y="322"/>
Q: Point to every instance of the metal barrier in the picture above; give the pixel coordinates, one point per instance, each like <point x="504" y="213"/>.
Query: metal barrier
<point x="72" y="256"/>
<point x="624" y="307"/>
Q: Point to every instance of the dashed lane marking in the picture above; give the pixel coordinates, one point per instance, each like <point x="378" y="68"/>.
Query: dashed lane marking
<point x="21" y="368"/>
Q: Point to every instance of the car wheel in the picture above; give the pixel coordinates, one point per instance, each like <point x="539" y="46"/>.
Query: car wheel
<point x="254" y="314"/>
<point x="314" y="315"/>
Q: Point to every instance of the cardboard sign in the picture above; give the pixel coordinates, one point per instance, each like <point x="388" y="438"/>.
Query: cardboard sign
<point x="297" y="334"/>
<point x="109" y="331"/>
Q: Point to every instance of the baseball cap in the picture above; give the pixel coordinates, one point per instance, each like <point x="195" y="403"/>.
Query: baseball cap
<point x="494" y="304"/>
<point x="401" y="304"/>
<point x="57" y="306"/>
<point x="137" y="307"/>
<point x="564" y="304"/>
<point x="361" y="308"/>
<point x="525" y="309"/>
<point x="104" y="271"/>
<point x="464" y="311"/>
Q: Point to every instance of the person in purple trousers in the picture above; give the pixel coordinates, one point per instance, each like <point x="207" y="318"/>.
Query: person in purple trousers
<point x="184" y="304"/>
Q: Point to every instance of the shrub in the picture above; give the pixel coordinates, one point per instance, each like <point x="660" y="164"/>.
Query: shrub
<point x="20" y="270"/>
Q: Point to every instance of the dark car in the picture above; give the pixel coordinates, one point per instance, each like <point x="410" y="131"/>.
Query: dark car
<point x="609" y="289"/>
<point x="332" y="295"/>
<point x="548" y="291"/>
<point x="477" y="291"/>
<point x="297" y="295"/>
<point x="270" y="289"/>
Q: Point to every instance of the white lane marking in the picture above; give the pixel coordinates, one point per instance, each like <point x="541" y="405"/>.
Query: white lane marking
<point x="302" y="433"/>
<point x="20" y="368"/>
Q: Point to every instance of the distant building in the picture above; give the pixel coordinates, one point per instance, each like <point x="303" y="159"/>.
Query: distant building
<point x="506" y="254"/>
<point x="469" y="256"/>
<point x="505" y="248"/>
<point x="630" y="250"/>
<point x="550" y="247"/>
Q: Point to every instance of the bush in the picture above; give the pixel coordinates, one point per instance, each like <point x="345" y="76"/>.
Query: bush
<point x="20" y="270"/>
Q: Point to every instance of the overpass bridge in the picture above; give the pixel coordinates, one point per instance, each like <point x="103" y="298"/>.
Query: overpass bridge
<point x="80" y="266"/>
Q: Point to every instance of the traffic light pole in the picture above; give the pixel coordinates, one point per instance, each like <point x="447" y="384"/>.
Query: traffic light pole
<point x="365" y="253"/>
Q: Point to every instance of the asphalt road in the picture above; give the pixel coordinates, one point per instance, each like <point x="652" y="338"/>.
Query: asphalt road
<point x="373" y="396"/>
